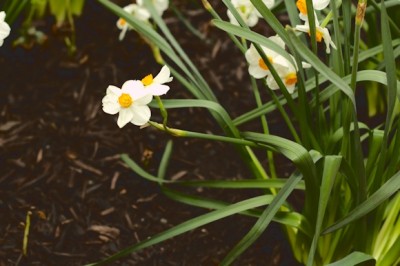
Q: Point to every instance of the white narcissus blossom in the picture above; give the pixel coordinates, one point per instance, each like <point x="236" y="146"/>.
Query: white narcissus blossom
<point x="320" y="33"/>
<point x="246" y="11"/>
<point x="287" y="72"/>
<point x="138" y="12"/>
<point x="317" y="5"/>
<point x="130" y="102"/>
<point x="4" y="28"/>
<point x="159" y="5"/>
<point x="257" y="67"/>
<point x="155" y="86"/>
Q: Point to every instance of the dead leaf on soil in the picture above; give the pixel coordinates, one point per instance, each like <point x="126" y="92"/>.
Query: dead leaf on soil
<point x="8" y="125"/>
<point x="106" y="233"/>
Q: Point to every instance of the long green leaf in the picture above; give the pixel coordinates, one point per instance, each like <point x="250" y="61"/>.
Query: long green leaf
<point x="292" y="219"/>
<point x="352" y="259"/>
<point x="139" y="170"/>
<point x="326" y="94"/>
<point x="270" y="18"/>
<point x="388" y="189"/>
<point x="187" y="226"/>
<point x="240" y="184"/>
<point x="252" y="36"/>
<point x="221" y="115"/>
<point x="262" y="222"/>
<point x="301" y="158"/>
<point x="203" y="86"/>
<point x="165" y="160"/>
<point x="311" y="58"/>
<point x="331" y="169"/>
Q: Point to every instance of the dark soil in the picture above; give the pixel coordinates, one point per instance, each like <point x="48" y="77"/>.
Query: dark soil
<point x="60" y="153"/>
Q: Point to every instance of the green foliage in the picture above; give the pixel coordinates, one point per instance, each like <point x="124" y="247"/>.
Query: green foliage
<point x="347" y="169"/>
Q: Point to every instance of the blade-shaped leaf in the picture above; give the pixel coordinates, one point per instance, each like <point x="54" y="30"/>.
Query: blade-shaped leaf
<point x="352" y="259"/>
<point x="188" y="225"/>
<point x="262" y="222"/>
<point x="391" y="187"/>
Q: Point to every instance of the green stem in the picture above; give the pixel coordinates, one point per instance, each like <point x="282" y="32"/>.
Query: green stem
<point x="163" y="111"/>
<point x="190" y="134"/>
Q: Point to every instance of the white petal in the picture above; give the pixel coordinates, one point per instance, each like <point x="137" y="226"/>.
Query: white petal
<point x="328" y="40"/>
<point x="2" y="15"/>
<point x="130" y="8"/>
<point x="291" y="88"/>
<point x="303" y="28"/>
<point x="320" y="4"/>
<point x="252" y="19"/>
<point x="123" y="33"/>
<point x="272" y="83"/>
<point x="269" y="3"/>
<point x="157" y="89"/>
<point x="257" y="72"/>
<point x="278" y="40"/>
<point x="281" y="65"/>
<point x="164" y="76"/>
<point x="305" y="65"/>
<point x="125" y="116"/>
<point x="110" y="98"/>
<point x="111" y="108"/>
<point x="252" y="55"/>
<point x="134" y="88"/>
<point x="303" y="17"/>
<point x="141" y="115"/>
<point x="142" y="14"/>
<point x="4" y="29"/>
<point x="144" y="100"/>
<point x="113" y="90"/>
<point x="232" y="19"/>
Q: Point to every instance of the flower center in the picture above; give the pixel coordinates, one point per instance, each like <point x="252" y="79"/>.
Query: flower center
<point x="291" y="79"/>
<point x="301" y="5"/>
<point x="262" y="64"/>
<point x="147" y="80"/>
<point x="242" y="8"/>
<point x="318" y="35"/>
<point x="122" y="22"/>
<point x="125" y="100"/>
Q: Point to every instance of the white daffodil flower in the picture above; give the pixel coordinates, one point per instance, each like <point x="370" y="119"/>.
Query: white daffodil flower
<point x="155" y="86"/>
<point x="138" y="12"/>
<point x="317" y="5"/>
<point x="130" y="102"/>
<point x="257" y="67"/>
<point x="246" y="11"/>
<point x="4" y="28"/>
<point x="159" y="5"/>
<point x="320" y="33"/>
<point x="287" y="72"/>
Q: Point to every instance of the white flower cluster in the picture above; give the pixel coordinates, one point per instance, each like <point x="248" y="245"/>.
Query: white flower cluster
<point x="4" y="28"/>
<point x="247" y="11"/>
<point x="321" y="32"/>
<point x="140" y="12"/>
<point x="285" y="69"/>
<point x="131" y="100"/>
